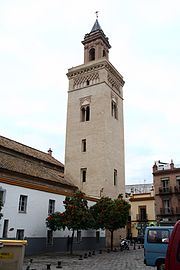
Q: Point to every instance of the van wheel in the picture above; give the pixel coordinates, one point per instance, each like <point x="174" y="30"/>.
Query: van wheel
<point x="161" y="266"/>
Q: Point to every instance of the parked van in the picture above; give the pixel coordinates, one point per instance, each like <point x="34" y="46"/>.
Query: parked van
<point x="156" y="241"/>
<point x="173" y="252"/>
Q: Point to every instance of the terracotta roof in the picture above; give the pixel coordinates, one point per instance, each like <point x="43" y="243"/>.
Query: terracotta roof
<point x="21" y="159"/>
<point x="29" y="151"/>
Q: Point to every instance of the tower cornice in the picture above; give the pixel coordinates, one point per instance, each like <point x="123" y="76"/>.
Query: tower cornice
<point x="95" y="36"/>
<point x="93" y="67"/>
<point x="94" y="72"/>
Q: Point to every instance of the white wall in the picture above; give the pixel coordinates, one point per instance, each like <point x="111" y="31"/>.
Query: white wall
<point x="33" y="222"/>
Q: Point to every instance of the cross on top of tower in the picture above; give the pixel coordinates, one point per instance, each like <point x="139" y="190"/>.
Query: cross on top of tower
<point x="97" y="14"/>
<point x="96" y="25"/>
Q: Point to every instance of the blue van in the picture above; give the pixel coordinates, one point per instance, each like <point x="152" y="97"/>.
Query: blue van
<point x="156" y="241"/>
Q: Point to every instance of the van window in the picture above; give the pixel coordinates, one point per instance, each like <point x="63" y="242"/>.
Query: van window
<point x="158" y="236"/>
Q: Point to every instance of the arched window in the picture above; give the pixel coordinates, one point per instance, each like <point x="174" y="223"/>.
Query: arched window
<point x="91" y="54"/>
<point x="85" y="113"/>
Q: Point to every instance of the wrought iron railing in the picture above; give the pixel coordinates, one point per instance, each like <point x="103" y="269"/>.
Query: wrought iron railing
<point x="167" y="211"/>
<point x="165" y="190"/>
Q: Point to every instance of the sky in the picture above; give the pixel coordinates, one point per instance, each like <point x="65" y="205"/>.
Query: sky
<point x="41" y="39"/>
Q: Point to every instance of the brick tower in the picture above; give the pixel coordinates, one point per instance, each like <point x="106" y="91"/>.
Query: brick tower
<point x="94" y="151"/>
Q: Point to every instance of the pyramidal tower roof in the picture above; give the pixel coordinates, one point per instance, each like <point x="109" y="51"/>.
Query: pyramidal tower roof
<point x="96" y="33"/>
<point x="96" y="26"/>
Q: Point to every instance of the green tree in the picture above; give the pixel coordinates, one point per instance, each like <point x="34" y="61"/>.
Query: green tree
<point x="56" y="221"/>
<point x="77" y="214"/>
<point x="110" y="214"/>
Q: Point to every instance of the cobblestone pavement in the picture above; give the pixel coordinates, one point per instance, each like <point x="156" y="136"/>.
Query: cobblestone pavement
<point x="125" y="260"/>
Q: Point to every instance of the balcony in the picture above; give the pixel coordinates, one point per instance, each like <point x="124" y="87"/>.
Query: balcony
<point x="165" y="190"/>
<point x="167" y="211"/>
<point x="176" y="189"/>
<point x="142" y="218"/>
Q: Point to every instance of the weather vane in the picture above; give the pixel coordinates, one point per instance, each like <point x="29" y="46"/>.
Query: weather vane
<point x="96" y="14"/>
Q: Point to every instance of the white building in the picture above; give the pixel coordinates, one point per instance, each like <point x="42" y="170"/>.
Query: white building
<point x="32" y="185"/>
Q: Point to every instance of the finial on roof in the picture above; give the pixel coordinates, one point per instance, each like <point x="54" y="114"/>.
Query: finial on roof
<point x="50" y="152"/>
<point x="172" y="165"/>
<point x="96" y="25"/>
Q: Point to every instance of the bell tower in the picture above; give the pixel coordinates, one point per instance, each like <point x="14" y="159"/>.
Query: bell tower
<point x="94" y="151"/>
<point x="96" y="44"/>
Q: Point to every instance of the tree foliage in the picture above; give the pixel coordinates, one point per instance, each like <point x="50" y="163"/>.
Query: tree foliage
<point x="100" y="212"/>
<point x="110" y="214"/>
<point x="77" y="214"/>
<point x="56" y="221"/>
<point x="107" y="213"/>
<point x="75" y="217"/>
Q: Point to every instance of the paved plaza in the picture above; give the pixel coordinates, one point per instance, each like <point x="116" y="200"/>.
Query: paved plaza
<point x="120" y="260"/>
